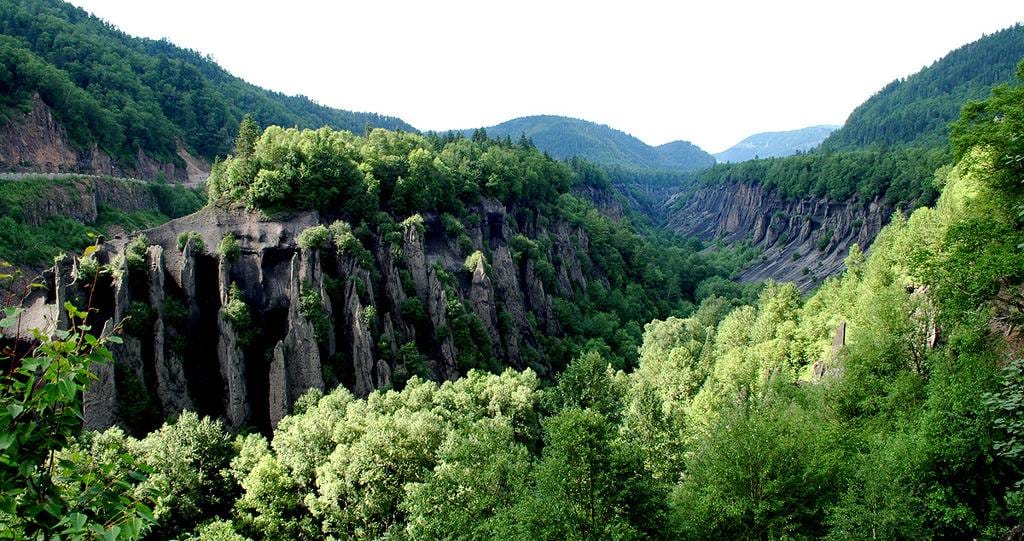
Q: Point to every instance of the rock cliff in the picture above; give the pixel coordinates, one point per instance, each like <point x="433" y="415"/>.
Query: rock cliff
<point x="37" y="142"/>
<point x="802" y="240"/>
<point x="241" y="337"/>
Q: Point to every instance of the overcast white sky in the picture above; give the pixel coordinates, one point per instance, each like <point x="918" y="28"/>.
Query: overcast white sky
<point x="710" y="72"/>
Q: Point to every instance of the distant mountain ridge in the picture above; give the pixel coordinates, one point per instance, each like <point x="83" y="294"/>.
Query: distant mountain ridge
<point x="565" y="137"/>
<point x="776" y="144"/>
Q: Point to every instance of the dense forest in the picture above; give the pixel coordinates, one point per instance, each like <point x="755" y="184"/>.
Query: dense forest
<point x="885" y="405"/>
<point x="125" y="93"/>
<point x="564" y="138"/>
<point x="904" y="177"/>
<point x="917" y="110"/>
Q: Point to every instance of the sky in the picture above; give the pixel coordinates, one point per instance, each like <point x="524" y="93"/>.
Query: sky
<point x="711" y="72"/>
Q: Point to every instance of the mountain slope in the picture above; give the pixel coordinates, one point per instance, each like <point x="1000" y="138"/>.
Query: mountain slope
<point x="124" y="95"/>
<point x="775" y="144"/>
<point x="805" y="212"/>
<point x="918" y="109"/>
<point x="564" y="137"/>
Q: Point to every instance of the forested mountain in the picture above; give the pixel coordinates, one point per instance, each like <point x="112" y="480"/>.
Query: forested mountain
<point x="564" y="137"/>
<point x="886" y="405"/>
<point x="804" y="212"/>
<point x="917" y="110"/>
<point x="127" y="94"/>
<point x="775" y="144"/>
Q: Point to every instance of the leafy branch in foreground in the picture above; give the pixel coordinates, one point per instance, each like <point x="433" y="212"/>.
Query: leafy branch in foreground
<point x="49" y="488"/>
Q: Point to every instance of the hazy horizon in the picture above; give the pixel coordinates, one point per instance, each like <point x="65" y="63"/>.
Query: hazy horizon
<point x="712" y="74"/>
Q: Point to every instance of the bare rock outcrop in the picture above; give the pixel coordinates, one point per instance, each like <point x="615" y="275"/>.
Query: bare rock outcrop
<point x="481" y="297"/>
<point x="437" y="306"/>
<point x="37" y="142"/>
<point x="803" y="240"/>
<point x="99" y="403"/>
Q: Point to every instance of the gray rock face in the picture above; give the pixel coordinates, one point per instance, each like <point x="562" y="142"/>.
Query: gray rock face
<point x="197" y="360"/>
<point x="511" y="296"/>
<point x="38" y="142"/>
<point x="172" y="389"/>
<point x="395" y="294"/>
<point x="360" y="343"/>
<point x="99" y="403"/>
<point x="416" y="261"/>
<point x="813" y="233"/>
<point x="539" y="302"/>
<point x="570" y="271"/>
<point x="279" y="400"/>
<point x="437" y="308"/>
<point x="481" y="297"/>
<point x="301" y="351"/>
<point x="232" y="371"/>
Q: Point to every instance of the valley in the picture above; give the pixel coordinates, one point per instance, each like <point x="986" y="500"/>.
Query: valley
<point x="234" y="315"/>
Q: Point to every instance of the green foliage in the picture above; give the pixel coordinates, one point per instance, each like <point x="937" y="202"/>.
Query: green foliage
<point x="348" y="245"/>
<point x="824" y="240"/>
<point x="239" y="315"/>
<point x="566" y="138"/>
<point x="229" y="248"/>
<point x="480" y="471"/>
<point x="473" y="261"/>
<point x="311" y="307"/>
<point x="135" y="255"/>
<point x="917" y="110"/>
<point x="139" y="319"/>
<point x="189" y="460"/>
<point x="313" y="237"/>
<point x="764" y="473"/>
<point x="26" y="237"/>
<point x="198" y="245"/>
<point x="47" y="487"/>
<point x="412" y="309"/>
<point x="902" y="176"/>
<point x="125" y="93"/>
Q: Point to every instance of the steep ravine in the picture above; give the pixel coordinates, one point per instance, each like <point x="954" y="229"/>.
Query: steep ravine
<point x="186" y="352"/>
<point x="802" y="240"/>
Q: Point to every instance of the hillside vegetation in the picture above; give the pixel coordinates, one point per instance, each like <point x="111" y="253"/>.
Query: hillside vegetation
<point x="125" y="93"/>
<point x="891" y="144"/>
<point x="917" y="110"/>
<point x="564" y="138"/>
<point x="886" y="405"/>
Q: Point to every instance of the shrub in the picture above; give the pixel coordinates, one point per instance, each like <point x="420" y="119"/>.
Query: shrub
<point x="473" y="260"/>
<point x="197" y="242"/>
<point x="369" y="314"/>
<point x="139" y="319"/>
<point x="238" y="313"/>
<point x="313" y="238"/>
<point x="88" y="268"/>
<point x="311" y="307"/>
<point x="413" y="310"/>
<point x="347" y="244"/>
<point x="825" y="239"/>
<point x="135" y="255"/>
<point x="229" y="248"/>
<point x="414" y="221"/>
<point x="452" y="226"/>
